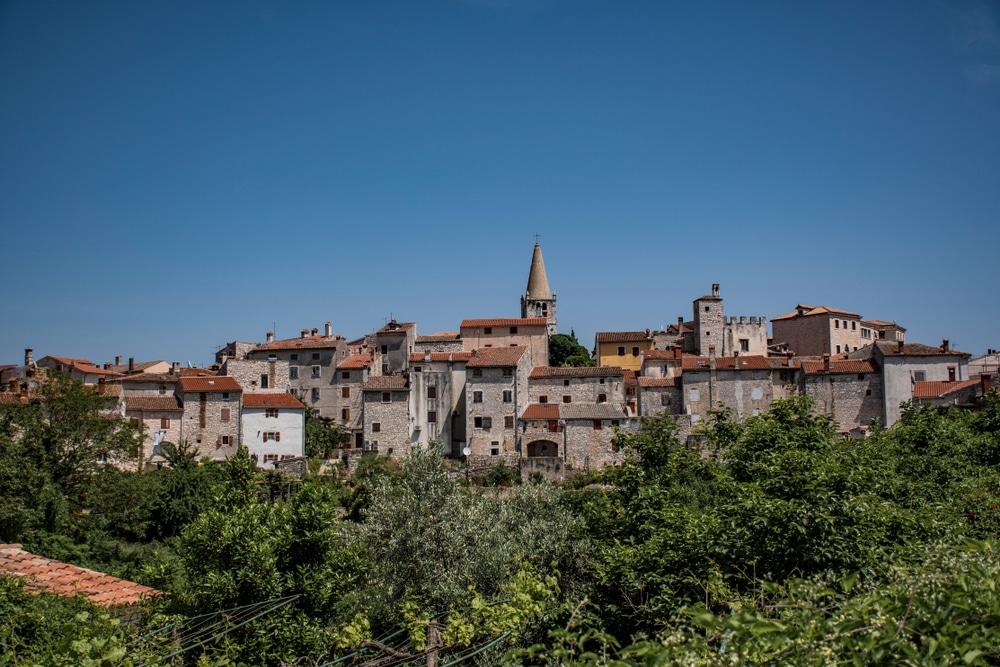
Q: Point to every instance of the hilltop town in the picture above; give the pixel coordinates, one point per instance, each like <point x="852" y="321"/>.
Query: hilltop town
<point x="488" y="393"/>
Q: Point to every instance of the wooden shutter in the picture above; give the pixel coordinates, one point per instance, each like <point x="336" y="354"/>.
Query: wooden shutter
<point x="265" y="436"/>
<point x="277" y="436"/>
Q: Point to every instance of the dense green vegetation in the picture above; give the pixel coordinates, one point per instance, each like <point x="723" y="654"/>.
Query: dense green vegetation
<point x="565" y="350"/>
<point x="779" y="543"/>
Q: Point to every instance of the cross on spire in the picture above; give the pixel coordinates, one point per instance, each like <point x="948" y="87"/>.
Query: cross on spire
<point x="537" y="235"/>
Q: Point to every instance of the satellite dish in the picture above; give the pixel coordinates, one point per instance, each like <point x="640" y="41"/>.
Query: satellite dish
<point x="466" y="451"/>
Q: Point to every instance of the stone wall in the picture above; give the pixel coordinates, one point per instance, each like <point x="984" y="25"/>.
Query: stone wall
<point x="393" y="437"/>
<point x="535" y="338"/>
<point x="753" y="330"/>
<point x="447" y="404"/>
<point x="204" y="424"/>
<point x="654" y="400"/>
<point x="853" y="399"/>
<point x="496" y="432"/>
<point x="585" y="390"/>
<point x="253" y="374"/>
<point x="745" y="392"/>
<point x="709" y="325"/>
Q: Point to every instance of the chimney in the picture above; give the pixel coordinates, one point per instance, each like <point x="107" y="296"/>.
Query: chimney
<point x="944" y="345"/>
<point x="789" y="359"/>
<point x="715" y="289"/>
<point x="648" y="334"/>
<point x="328" y="330"/>
<point x="29" y="358"/>
<point x="899" y="347"/>
<point x="175" y="368"/>
<point x="677" y="351"/>
<point x="826" y="362"/>
<point x="131" y="364"/>
<point x="107" y="366"/>
<point x="427" y="354"/>
<point x="711" y="357"/>
<point x="315" y="331"/>
<point x="305" y="332"/>
<point x="270" y="337"/>
<point x="986" y="383"/>
<point x="680" y="325"/>
<point x="118" y="360"/>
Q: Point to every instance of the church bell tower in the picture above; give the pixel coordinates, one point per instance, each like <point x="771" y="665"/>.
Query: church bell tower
<point x="538" y="299"/>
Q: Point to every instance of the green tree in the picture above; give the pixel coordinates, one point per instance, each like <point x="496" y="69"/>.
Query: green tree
<point x="323" y="436"/>
<point x="566" y="351"/>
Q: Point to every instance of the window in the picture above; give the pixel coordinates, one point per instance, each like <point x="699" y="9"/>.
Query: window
<point x="707" y="308"/>
<point x="417" y="369"/>
<point x="508" y="396"/>
<point x="270" y="458"/>
<point x="376" y="427"/>
<point x="543" y="399"/>
<point x="345" y="375"/>
<point x="477" y="422"/>
<point x="387" y="397"/>
<point x="553" y="425"/>
<point x="919" y="376"/>
<point x="163" y="390"/>
<point x="951" y="373"/>
<point x="487" y="422"/>
<point x="225" y="414"/>
<point x="294" y="356"/>
<point x="602" y="398"/>
<point x="495" y="451"/>
<point x="508" y="421"/>
<point x="315" y="371"/>
<point x="567" y="399"/>
<point x="271" y="435"/>
<point x="165" y="423"/>
<point x="508" y="372"/>
<point x="861" y="376"/>
<point x="665" y="399"/>
<point x="757" y="393"/>
<point x="838" y="349"/>
<point x="477" y="372"/>
<point x="694" y="395"/>
<point x="598" y="425"/>
<point x="272" y="357"/>
<point x="271" y="412"/>
<point x="385" y="349"/>
<point x="565" y="383"/>
<point x="513" y="330"/>
<point x="744" y="344"/>
<point x="345" y="392"/>
<point x="836" y="324"/>
<point x="854" y="326"/>
<point x="315" y="393"/>
<point x="621" y="350"/>
<point x="630" y="391"/>
<point x="225" y="395"/>
<point x="868" y="392"/>
<point x="477" y="397"/>
<point x="432" y="392"/>
<point x="345" y="413"/>
<point x="224" y="440"/>
<point x="635" y="350"/>
<point x="263" y="381"/>
<point x="757" y="375"/>
<point x="293" y="372"/>
<point x="315" y="356"/>
<point x="694" y="377"/>
<point x="432" y="417"/>
<point x="487" y="330"/>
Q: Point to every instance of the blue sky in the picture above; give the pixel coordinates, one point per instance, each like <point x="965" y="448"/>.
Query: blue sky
<point x="175" y="175"/>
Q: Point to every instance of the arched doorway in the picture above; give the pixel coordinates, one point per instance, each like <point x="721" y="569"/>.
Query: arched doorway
<point x="543" y="448"/>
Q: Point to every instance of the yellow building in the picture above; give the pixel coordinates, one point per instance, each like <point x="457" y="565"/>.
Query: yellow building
<point x="622" y="348"/>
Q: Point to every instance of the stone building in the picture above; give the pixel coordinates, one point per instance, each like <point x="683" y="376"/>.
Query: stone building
<point x="591" y="385"/>
<point x="442" y="341"/>
<point x="561" y="439"/>
<point x="741" y="383"/>
<point x="659" y="394"/>
<point x="848" y="389"/>
<point x="81" y="370"/>
<point x="819" y="330"/>
<point x="385" y="415"/>
<point x="395" y="342"/>
<point x="710" y="326"/>
<point x="496" y="389"/>
<point x="312" y="361"/>
<point x="258" y="375"/>
<point x="785" y="370"/>
<point x="273" y="426"/>
<point x="964" y="394"/>
<point x="538" y="299"/>
<point x="352" y="374"/>
<point x="438" y="401"/>
<point x="162" y="420"/>
<point x="622" y="348"/>
<point x="661" y="363"/>
<point x="530" y="332"/>
<point x="211" y="418"/>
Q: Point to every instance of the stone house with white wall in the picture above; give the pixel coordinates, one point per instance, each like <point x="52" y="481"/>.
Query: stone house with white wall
<point x="162" y="420"/>
<point x="848" y="389"/>
<point x="664" y="363"/>
<point x="273" y="426"/>
<point x="529" y="332"/>
<point x="438" y="401"/>
<point x="211" y="418"/>
<point x="741" y="383"/>
<point x="496" y="389"/>
<point x="385" y="415"/>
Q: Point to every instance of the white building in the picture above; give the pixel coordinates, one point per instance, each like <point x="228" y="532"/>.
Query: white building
<point x="274" y="427"/>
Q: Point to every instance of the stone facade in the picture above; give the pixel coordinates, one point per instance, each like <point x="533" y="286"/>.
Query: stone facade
<point x="444" y="341"/>
<point x="438" y="400"/>
<point x="211" y="420"/>
<point x="351" y="375"/>
<point x="622" y="348"/>
<point x="904" y="364"/>
<point x="258" y="374"/>
<point x="395" y="342"/>
<point x="162" y="421"/>
<point x="539" y="300"/>
<point x="508" y="332"/>
<point x="743" y="384"/>
<point x="814" y="331"/>
<point x="850" y="390"/>
<point x="496" y="388"/>
<point x="660" y="394"/>
<point x="576" y="386"/>
<point x="386" y="415"/>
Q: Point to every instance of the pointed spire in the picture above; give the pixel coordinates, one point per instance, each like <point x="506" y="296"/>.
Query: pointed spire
<point x="538" y="282"/>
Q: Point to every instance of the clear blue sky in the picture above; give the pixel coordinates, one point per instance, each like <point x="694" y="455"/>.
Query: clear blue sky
<point x="175" y="175"/>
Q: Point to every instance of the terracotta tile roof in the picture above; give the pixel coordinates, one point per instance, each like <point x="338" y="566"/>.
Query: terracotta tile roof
<point x="631" y="376"/>
<point x="657" y="354"/>
<point x="157" y="403"/>
<point x="45" y="574"/>
<point x="582" y="371"/>
<point x="275" y="400"/>
<point x="940" y="388"/>
<point x="155" y="378"/>
<point x="492" y="357"/>
<point x="110" y="389"/>
<point x="882" y="323"/>
<point x="747" y="363"/>
<point x="417" y="357"/>
<point x="506" y="322"/>
<point x="688" y="328"/>
<point x="81" y="365"/>
<point x="541" y="411"/>
<point x="658" y="382"/>
<point x="396" y="327"/>
<point x="810" y="310"/>
<point x="11" y="398"/>
<point x="439" y="337"/>
<point x="592" y="411"/>
<point x="138" y="366"/>
<point x="196" y="372"/>
<point x="892" y="349"/>
<point x="356" y="361"/>
<point x="303" y="342"/>
<point x="209" y="384"/>
<point x="622" y="336"/>
<point x="383" y="382"/>
<point x="840" y="366"/>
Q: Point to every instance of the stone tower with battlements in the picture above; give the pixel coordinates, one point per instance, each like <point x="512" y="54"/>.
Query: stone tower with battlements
<point x="709" y="322"/>
<point x="538" y="299"/>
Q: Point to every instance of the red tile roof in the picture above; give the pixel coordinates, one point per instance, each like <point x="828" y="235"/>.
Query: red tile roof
<point x="356" y="361"/>
<point x="591" y="411"/>
<point x="622" y="336"/>
<point x="541" y="411"/>
<point x="492" y="357"/>
<point x="657" y="354"/>
<point x="417" y="357"/>
<point x="155" y="378"/>
<point x="196" y="372"/>
<point x="383" y="382"/>
<point x="658" y="382"/>
<point x="581" y="371"/>
<point x="506" y="322"/>
<point x="891" y="349"/>
<point x="630" y="376"/>
<point x="11" y="398"/>
<point x="747" y="363"/>
<point x="440" y="336"/>
<point x="940" y="388"/>
<point x="153" y="403"/>
<point x="45" y="574"/>
<point x="396" y="327"/>
<point x="303" y="342"/>
<point x="810" y="310"/>
<point x="839" y="366"/>
<point x="209" y="384"/>
<point x="275" y="400"/>
<point x="81" y="365"/>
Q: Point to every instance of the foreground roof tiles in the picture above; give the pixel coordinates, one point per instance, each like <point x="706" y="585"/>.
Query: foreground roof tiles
<point x="275" y="400"/>
<point x="541" y="411"/>
<point x="506" y="322"/>
<point x="208" y="384"/>
<point x="814" y="310"/>
<point x="889" y="349"/>
<point x="45" y="574"/>
<point x="658" y="382"/>
<point x="622" y="336"/>
<point x="491" y="357"/>
<point x="940" y="388"/>
<point x="153" y="403"/>
<point x="580" y="371"/>
<point x="839" y="366"/>
<point x="356" y="361"/>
